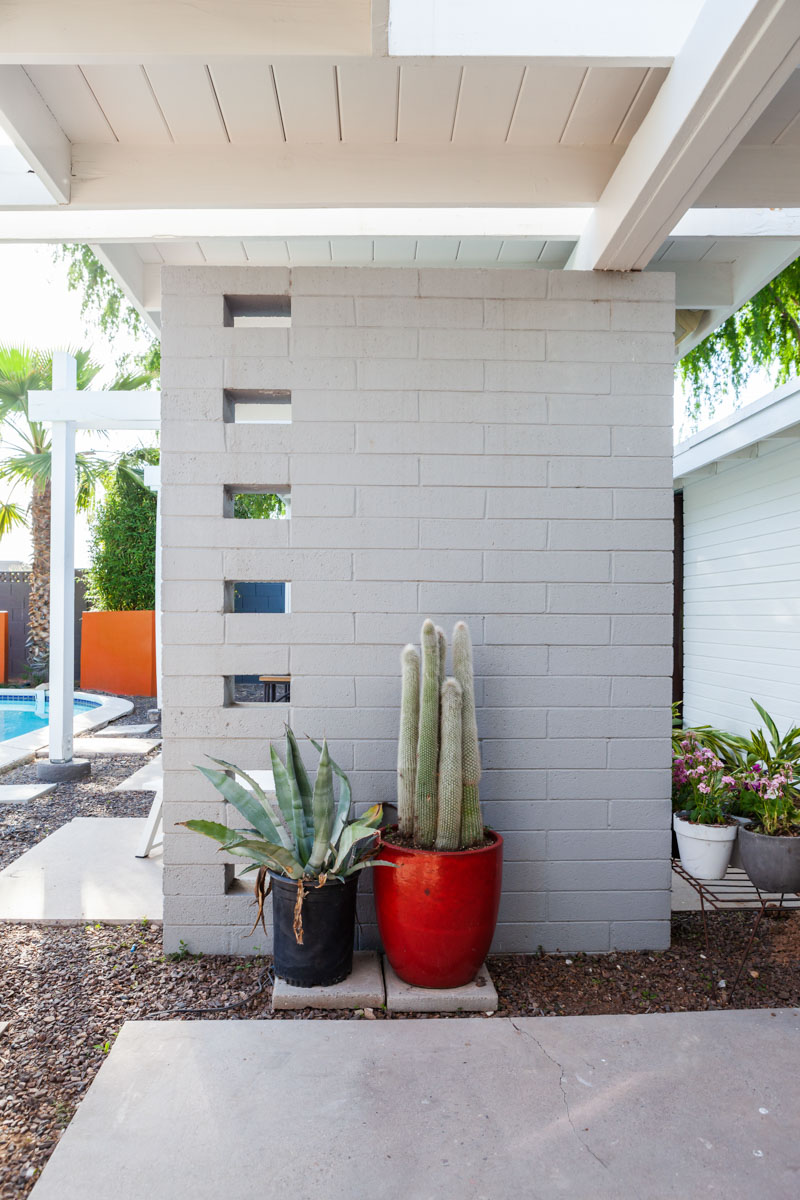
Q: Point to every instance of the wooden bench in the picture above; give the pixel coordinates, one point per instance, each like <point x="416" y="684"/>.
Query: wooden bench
<point x="271" y="684"/>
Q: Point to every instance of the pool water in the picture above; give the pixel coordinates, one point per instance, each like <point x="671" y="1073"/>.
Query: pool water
<point x="18" y="715"/>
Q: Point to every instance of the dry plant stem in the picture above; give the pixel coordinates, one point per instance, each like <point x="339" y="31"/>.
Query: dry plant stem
<point x="407" y="744"/>
<point x="428" y="747"/>
<point x="448" y="825"/>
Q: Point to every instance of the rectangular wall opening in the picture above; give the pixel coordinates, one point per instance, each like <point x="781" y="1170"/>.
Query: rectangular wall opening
<point x="248" y="312"/>
<point x="262" y="688"/>
<point x="257" y="596"/>
<point x="256" y="407"/>
<point x="256" y="503"/>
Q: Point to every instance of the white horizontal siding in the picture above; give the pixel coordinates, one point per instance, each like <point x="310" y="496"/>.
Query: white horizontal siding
<point x="742" y="591"/>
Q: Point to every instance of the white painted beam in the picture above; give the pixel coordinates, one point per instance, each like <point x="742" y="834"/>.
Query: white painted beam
<point x="85" y="31"/>
<point x="113" y="175"/>
<point x="700" y="285"/>
<point x="740" y="222"/>
<point x="611" y="31"/>
<point x="125" y="266"/>
<point x="757" y="177"/>
<point x="35" y="133"/>
<point x="774" y="415"/>
<point x="152" y="479"/>
<point x="736" y="58"/>
<point x="97" y="410"/>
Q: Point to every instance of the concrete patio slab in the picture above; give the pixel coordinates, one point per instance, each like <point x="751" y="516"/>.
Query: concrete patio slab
<point x="87" y="746"/>
<point x="363" y="988"/>
<point x="478" y="996"/>
<point x="21" y="793"/>
<point x="85" y="871"/>
<point x="125" y="730"/>
<point x="475" y="1109"/>
<point x="149" y="778"/>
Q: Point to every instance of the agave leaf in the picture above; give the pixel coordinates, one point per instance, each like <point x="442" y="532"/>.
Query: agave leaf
<point x="212" y="829"/>
<point x="323" y="810"/>
<point x="345" y="798"/>
<point x="273" y="810"/>
<point x="247" y="804"/>
<point x="288" y="795"/>
<point x="267" y="854"/>
<point x="303" y="782"/>
<point x="357" y="832"/>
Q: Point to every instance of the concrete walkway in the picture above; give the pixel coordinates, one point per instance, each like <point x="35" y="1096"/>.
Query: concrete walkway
<point x="652" y="1107"/>
<point x="85" y="871"/>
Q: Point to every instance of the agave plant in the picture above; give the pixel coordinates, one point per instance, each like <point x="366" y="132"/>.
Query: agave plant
<point x="301" y="832"/>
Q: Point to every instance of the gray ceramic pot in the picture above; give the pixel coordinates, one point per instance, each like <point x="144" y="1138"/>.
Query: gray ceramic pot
<point x="772" y="863"/>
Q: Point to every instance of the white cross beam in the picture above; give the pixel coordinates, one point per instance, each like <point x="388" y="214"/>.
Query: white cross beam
<point x="68" y="410"/>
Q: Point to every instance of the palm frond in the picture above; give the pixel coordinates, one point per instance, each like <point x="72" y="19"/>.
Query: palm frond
<point x="11" y="516"/>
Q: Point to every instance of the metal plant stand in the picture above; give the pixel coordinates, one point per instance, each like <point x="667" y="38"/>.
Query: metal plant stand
<point x="732" y="892"/>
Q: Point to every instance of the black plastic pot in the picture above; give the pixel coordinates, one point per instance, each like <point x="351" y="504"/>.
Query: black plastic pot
<point x="772" y="863"/>
<point x="328" y="914"/>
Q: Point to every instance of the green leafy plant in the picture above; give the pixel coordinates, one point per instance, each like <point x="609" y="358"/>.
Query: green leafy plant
<point x="302" y="833"/>
<point x="768" y="798"/>
<point x="122" y="549"/>
<point x="438" y="760"/>
<point x="772" y="752"/>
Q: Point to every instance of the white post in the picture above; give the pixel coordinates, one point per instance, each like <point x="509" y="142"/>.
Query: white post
<point x="62" y="569"/>
<point x="152" y="478"/>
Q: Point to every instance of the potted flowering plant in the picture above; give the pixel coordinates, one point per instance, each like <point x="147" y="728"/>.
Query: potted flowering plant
<point x="770" y="850"/>
<point x="704" y="827"/>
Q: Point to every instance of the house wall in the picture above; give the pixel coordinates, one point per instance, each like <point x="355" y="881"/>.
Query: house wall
<point x="742" y="591"/>
<point x="494" y="445"/>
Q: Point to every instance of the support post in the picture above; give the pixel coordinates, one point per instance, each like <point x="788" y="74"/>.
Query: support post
<point x="152" y="478"/>
<point x="61" y="766"/>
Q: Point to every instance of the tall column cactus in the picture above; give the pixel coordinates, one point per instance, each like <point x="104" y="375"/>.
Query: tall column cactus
<point x="438" y="759"/>
<point x="428" y="743"/>
<point x="407" y="743"/>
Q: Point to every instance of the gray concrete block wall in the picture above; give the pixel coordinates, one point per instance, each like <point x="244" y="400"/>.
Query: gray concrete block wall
<point x="489" y="444"/>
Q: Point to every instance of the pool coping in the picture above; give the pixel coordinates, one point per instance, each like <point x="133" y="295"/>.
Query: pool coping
<point x="22" y="749"/>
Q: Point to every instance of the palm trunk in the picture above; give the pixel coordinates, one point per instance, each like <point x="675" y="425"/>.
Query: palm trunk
<point x="39" y="602"/>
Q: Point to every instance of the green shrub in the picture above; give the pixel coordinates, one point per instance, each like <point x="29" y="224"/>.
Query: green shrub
<point x="122" y="550"/>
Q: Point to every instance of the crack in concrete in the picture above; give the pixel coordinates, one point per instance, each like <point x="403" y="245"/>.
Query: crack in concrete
<point x="564" y="1096"/>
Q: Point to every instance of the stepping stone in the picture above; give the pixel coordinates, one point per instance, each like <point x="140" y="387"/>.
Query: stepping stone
<point x="115" y="745"/>
<point x="85" y="871"/>
<point x="3" y="1027"/>
<point x="21" y="793"/>
<point x="363" y="988"/>
<point x="111" y="731"/>
<point x="478" y="996"/>
<point x="148" y="778"/>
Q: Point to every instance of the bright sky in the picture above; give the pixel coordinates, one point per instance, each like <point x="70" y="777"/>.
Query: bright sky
<point x="37" y="309"/>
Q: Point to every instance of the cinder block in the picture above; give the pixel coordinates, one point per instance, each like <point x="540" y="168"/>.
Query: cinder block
<point x="182" y="311"/>
<point x="287" y="564"/>
<point x="631" y="504"/>
<point x="208" y="280"/>
<point x="606" y="785"/>
<point x="642" y="631"/>
<point x="354" y="343"/>
<point x="498" y="407"/>
<point x="309" y="501"/>
<point x="616" y="875"/>
<point x="610" y="535"/>
<point x="526" y="905"/>
<point x="548" y="377"/>
<point x="559" y="503"/>
<point x="546" y="565"/>
<point x="467" y="282"/>
<point x="488" y="534"/>
<point x="354" y="281"/>
<point x="309" y="406"/>
<point x="324" y="311"/>
<point x="642" y="315"/>
<point x="419" y="313"/>
<point x="641" y="440"/>
<point x="575" y="347"/>
<point x="546" y="314"/>
<point x="198" y="437"/>
<point x="295" y="628"/>
<point x="612" y="285"/>
<point x="640" y="814"/>
<point x="394" y="373"/>
<point x="639" y="379"/>
<point x="609" y="597"/>
<point x="431" y="565"/>
<point x="609" y="905"/>
<point x="642" y="411"/>
<point x="548" y="629"/>
<point x="479" y="598"/>
<point x="626" y="753"/>
<point x="320" y="469"/>
<point x="640" y="935"/>
<point x="191" y="372"/>
<point x="524" y="343"/>
<point x="628" y="472"/>
<point x="643" y="567"/>
<point x="379" y="437"/>
<point x="462" y="503"/>
<point x="547" y="439"/>
<point x="355" y="532"/>
<point x="535" y="750"/>
<point x="486" y="470"/>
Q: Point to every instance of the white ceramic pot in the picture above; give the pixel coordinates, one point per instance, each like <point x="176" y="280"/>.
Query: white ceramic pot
<point x="705" y="849"/>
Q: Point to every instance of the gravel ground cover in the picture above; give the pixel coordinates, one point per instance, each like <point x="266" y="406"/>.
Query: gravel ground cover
<point x="67" y="991"/>
<point x="23" y="825"/>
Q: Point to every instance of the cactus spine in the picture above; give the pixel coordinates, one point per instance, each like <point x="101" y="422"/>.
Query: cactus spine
<point x="438" y="759"/>
<point x="407" y="744"/>
<point x="428" y="743"/>
<point x="448" y="819"/>
<point x="471" y="819"/>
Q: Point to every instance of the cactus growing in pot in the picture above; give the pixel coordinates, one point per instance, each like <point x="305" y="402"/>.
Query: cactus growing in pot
<point x="437" y="913"/>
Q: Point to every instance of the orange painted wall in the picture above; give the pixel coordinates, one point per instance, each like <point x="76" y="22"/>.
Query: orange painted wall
<point x="118" y="652"/>
<point x="3" y="647"/>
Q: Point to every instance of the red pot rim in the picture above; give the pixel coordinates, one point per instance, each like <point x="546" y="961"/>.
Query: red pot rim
<point x="416" y="852"/>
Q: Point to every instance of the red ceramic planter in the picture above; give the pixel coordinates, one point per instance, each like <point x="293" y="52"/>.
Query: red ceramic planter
<point x="437" y="911"/>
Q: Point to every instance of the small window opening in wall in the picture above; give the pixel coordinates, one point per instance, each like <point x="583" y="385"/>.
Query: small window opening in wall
<point x="248" y="504"/>
<point x="258" y="311"/>
<point x="257" y="407"/>
<point x="257" y="596"/>
<point x="257" y="689"/>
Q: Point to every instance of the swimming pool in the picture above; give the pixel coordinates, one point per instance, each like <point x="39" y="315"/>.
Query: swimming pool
<point x="18" y="713"/>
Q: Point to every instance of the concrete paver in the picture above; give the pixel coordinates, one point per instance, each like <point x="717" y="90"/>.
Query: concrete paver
<point x="115" y="745"/>
<point x="125" y="730"/>
<point x="658" y="1107"/>
<point x="21" y="793"/>
<point x="149" y="778"/>
<point x="478" y="996"/>
<point x="363" y="988"/>
<point x="85" y="871"/>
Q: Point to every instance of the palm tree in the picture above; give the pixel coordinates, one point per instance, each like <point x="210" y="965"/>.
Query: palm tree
<point x="27" y="463"/>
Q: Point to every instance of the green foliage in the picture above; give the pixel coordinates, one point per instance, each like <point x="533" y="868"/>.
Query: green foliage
<point x="763" y="335"/>
<point x="122" y="549"/>
<point x="105" y="302"/>
<point x="255" y="506"/>
<point x="302" y="833"/>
